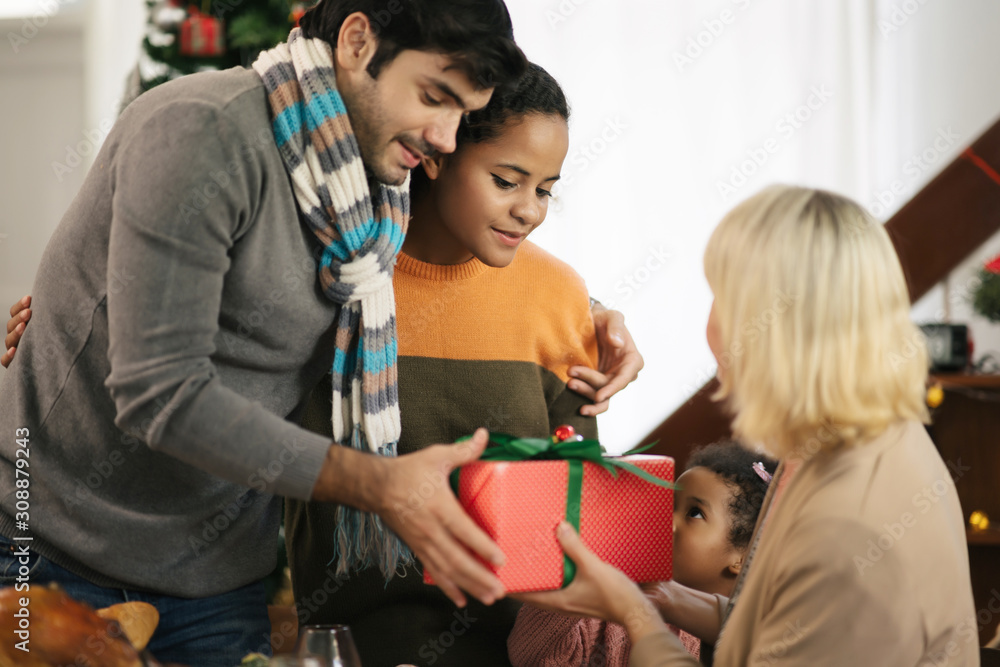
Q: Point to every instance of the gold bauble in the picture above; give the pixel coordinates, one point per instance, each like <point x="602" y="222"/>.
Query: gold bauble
<point x="935" y="395"/>
<point x="979" y="520"/>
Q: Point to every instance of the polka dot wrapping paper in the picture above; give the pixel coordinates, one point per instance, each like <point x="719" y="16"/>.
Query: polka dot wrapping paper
<point x="625" y="520"/>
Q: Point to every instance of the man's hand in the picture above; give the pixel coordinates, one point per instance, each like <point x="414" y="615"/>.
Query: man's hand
<point x="619" y="362"/>
<point x="20" y="313"/>
<point x="412" y="495"/>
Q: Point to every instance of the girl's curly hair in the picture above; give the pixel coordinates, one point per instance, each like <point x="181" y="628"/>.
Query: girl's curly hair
<point x="734" y="464"/>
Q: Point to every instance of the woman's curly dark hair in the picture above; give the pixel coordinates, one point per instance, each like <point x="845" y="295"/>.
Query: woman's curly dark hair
<point x="734" y="464"/>
<point x="535" y="92"/>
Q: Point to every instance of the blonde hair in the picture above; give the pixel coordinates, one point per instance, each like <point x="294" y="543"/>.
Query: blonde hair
<point x="818" y="349"/>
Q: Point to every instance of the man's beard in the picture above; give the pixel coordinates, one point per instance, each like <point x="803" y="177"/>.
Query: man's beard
<point x="368" y="123"/>
<point x="367" y="120"/>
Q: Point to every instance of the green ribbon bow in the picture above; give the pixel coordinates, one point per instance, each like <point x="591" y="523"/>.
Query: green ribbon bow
<point x="574" y="452"/>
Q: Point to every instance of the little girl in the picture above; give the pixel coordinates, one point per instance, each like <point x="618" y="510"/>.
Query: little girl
<point x="715" y="509"/>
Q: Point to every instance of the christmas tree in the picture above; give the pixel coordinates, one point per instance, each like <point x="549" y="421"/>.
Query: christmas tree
<point x="215" y="34"/>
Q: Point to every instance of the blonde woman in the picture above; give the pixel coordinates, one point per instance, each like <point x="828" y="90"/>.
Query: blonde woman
<point x="859" y="555"/>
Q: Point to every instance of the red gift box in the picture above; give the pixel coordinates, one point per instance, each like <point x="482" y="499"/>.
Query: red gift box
<point x="624" y="519"/>
<point x="202" y="35"/>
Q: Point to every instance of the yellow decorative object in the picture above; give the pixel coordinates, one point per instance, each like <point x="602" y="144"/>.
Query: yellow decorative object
<point x="979" y="520"/>
<point x="935" y="395"/>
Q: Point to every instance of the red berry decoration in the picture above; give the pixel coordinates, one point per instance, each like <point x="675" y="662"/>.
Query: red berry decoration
<point x="564" y="432"/>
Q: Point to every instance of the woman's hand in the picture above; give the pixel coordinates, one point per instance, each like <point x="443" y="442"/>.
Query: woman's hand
<point x="20" y="313"/>
<point x="599" y="590"/>
<point x="618" y="364"/>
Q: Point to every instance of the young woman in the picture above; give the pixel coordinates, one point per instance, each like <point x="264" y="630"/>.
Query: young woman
<point x="488" y="327"/>
<point x="859" y="557"/>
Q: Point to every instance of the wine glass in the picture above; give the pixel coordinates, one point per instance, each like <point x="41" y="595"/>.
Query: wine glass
<point x="332" y="644"/>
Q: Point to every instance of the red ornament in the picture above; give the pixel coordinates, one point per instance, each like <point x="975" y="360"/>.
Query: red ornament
<point x="298" y="11"/>
<point x="564" y="432"/>
<point x="202" y="35"/>
<point x="993" y="266"/>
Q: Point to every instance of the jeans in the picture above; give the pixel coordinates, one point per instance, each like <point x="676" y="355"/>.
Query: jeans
<point x="215" y="631"/>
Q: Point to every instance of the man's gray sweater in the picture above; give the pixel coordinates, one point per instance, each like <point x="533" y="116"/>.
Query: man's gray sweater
<point x="177" y="320"/>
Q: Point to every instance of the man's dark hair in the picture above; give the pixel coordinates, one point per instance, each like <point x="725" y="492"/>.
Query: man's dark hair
<point x="535" y="92"/>
<point x="477" y="33"/>
<point x="734" y="464"/>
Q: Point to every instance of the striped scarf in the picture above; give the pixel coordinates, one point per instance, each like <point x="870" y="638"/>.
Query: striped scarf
<point x="338" y="203"/>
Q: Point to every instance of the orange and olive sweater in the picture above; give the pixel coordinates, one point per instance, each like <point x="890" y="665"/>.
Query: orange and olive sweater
<point x="478" y="346"/>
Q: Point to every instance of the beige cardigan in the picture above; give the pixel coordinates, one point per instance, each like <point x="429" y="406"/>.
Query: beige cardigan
<point x="862" y="562"/>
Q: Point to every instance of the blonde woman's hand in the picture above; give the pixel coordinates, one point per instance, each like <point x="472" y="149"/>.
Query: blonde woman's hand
<point x="598" y="590"/>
